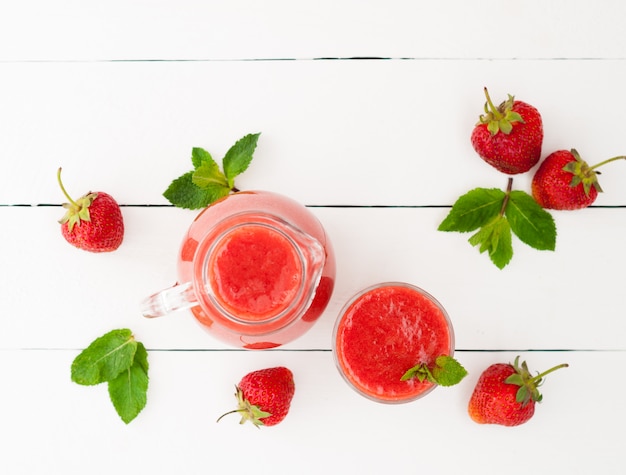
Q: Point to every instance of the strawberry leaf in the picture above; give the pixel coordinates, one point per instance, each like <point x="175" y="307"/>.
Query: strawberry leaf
<point x="495" y="239"/>
<point x="239" y="156"/>
<point x="530" y="222"/>
<point x="473" y="210"/>
<point x="515" y="378"/>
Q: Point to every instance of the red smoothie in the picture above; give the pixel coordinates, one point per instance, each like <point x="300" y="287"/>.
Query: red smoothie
<point x="384" y="331"/>
<point x="255" y="272"/>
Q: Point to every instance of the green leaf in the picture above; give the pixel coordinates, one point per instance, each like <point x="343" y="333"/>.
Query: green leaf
<point x="421" y="372"/>
<point x="531" y="223"/>
<point x="239" y="156"/>
<point x="473" y="210"/>
<point x="495" y="239"/>
<point x="448" y="371"/>
<point x="214" y="192"/>
<point x="512" y="116"/>
<point x="128" y="391"/>
<point x="515" y="378"/>
<point x="209" y="175"/>
<point x="200" y="156"/>
<point x="522" y="395"/>
<point x="493" y="127"/>
<point x="182" y="193"/>
<point x="105" y="358"/>
<point x="206" y="183"/>
<point x="505" y="126"/>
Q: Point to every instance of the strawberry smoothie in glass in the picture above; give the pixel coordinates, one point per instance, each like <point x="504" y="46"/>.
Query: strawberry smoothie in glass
<point x="384" y="331"/>
<point x="255" y="268"/>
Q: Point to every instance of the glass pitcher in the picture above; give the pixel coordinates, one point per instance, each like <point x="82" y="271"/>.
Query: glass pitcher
<point x="255" y="268"/>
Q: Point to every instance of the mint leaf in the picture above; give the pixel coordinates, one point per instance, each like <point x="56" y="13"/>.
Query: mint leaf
<point x="105" y="358"/>
<point x="448" y="371"/>
<point x="200" y="156"/>
<point x="473" y="210"/>
<point x="445" y="372"/>
<point x="207" y="171"/>
<point x="421" y="372"/>
<point x="206" y="183"/>
<point x="128" y="391"/>
<point x="209" y="175"/>
<point x="495" y="239"/>
<point x="497" y="214"/>
<point x="238" y="157"/>
<point x="182" y="193"/>
<point x="530" y="222"/>
<point x="117" y="358"/>
<point x="210" y="180"/>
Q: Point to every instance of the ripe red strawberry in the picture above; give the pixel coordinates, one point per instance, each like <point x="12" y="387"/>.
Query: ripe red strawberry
<point x="564" y="181"/>
<point x="509" y="137"/>
<point x="93" y="222"/>
<point x="264" y="396"/>
<point x="505" y="394"/>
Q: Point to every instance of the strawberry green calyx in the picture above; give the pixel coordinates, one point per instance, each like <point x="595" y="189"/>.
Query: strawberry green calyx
<point x="583" y="173"/>
<point x="248" y="411"/>
<point x="77" y="210"/>
<point x="527" y="383"/>
<point x="501" y="118"/>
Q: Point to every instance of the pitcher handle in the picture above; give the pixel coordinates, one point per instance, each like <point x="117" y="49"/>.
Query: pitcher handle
<point x="178" y="297"/>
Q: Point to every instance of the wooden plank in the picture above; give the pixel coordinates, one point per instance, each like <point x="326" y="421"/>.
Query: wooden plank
<point x="60" y="297"/>
<point x="333" y="133"/>
<point x="75" y="429"/>
<point x="66" y="30"/>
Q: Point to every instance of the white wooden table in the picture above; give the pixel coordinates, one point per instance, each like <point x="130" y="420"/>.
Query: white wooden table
<point x="365" y="110"/>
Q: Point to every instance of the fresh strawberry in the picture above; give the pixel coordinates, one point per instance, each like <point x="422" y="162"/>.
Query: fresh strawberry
<point x="564" y="181"/>
<point x="509" y="137"/>
<point x="264" y="396"/>
<point x="505" y="394"/>
<point x="93" y="222"/>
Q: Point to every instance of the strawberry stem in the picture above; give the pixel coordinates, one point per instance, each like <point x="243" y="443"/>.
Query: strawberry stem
<point x="493" y="109"/>
<point x="597" y="165"/>
<point x="505" y="202"/>
<point x="227" y="413"/>
<point x="64" y="191"/>
<point x="540" y="376"/>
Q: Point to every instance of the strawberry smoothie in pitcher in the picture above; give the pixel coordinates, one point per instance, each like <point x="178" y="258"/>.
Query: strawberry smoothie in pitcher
<point x="256" y="269"/>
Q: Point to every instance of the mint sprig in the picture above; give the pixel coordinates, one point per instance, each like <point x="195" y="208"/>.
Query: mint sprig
<point x="445" y="372"/>
<point x="122" y="362"/>
<point x="495" y="215"/>
<point x="206" y="183"/>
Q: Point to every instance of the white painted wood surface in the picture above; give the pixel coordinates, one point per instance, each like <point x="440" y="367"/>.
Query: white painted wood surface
<point x="118" y="93"/>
